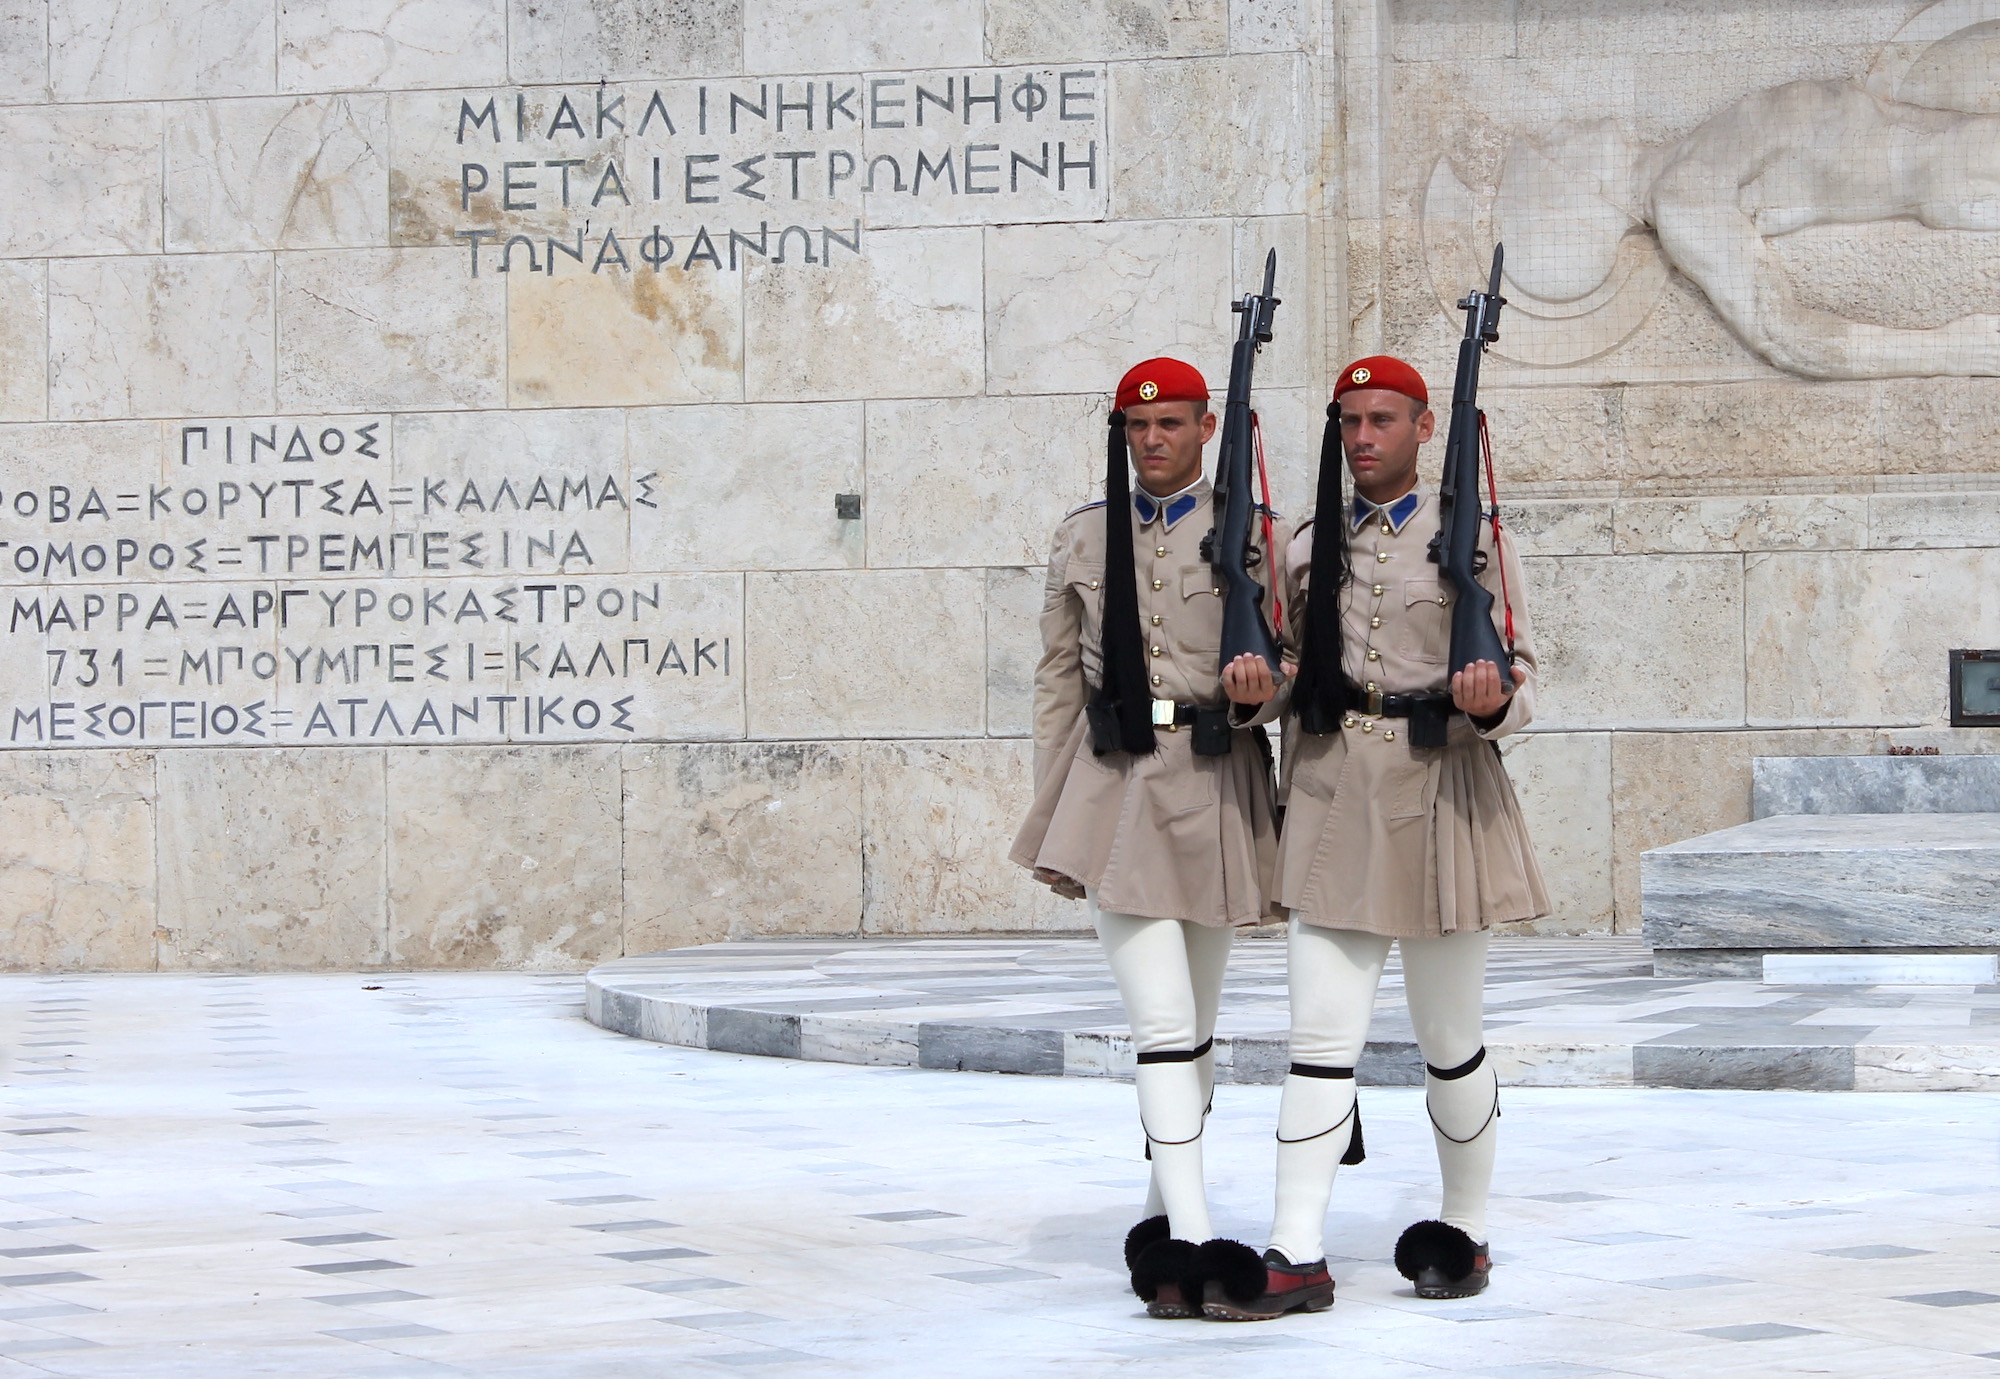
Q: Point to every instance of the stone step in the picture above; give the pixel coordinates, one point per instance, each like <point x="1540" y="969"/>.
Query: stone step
<point x="1581" y="1012"/>
<point x="1908" y="883"/>
<point x="1874" y="785"/>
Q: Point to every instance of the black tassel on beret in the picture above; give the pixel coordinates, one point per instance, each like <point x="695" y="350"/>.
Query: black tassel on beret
<point x="1121" y="712"/>
<point x="1323" y="691"/>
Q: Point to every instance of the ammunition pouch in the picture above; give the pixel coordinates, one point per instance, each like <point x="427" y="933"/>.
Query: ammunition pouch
<point x="1106" y="734"/>
<point x="1212" y="732"/>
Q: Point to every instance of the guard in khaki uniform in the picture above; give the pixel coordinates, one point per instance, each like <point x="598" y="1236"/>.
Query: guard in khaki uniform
<point x="1401" y="827"/>
<point x="1151" y="802"/>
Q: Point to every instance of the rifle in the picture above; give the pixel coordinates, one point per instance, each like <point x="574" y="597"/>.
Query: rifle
<point x="1456" y="546"/>
<point x="1227" y="546"/>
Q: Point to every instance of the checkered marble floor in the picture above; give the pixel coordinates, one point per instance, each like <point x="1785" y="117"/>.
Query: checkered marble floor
<point x="387" y="1176"/>
<point x="1560" y="1013"/>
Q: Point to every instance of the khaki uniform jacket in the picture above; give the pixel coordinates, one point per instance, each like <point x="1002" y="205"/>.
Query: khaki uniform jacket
<point x="1166" y="836"/>
<point x="1379" y="837"/>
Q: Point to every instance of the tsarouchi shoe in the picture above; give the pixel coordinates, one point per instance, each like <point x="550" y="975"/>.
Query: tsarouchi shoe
<point x="1443" y="1261"/>
<point x="1285" y="1287"/>
<point x="1164" y="1272"/>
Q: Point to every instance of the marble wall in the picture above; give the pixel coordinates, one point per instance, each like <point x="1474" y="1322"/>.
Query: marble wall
<point x="421" y="425"/>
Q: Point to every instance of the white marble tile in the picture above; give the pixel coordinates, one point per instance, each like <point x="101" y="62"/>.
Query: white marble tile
<point x="747" y="488"/>
<point x="1182" y="128"/>
<point x="588" y="40"/>
<point x="277" y="173"/>
<point x="388" y="328"/>
<point x="24" y="349"/>
<point x="1069" y="308"/>
<point x="1068" y="30"/>
<point x="24" y="52"/>
<point x="875" y="36"/>
<point x="854" y="327"/>
<point x="170" y="335"/>
<point x="96" y="171"/>
<point x="121" y="50"/>
<point x="380" y="45"/>
<point x="824" y="644"/>
<point x="978" y="481"/>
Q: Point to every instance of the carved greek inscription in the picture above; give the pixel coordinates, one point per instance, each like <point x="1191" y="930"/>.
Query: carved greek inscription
<point x="284" y="582"/>
<point x="713" y="175"/>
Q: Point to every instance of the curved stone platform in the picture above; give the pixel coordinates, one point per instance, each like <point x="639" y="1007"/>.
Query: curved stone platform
<point x="1560" y="1013"/>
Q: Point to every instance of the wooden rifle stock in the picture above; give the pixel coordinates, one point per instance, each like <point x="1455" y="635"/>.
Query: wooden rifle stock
<point x="1456" y="549"/>
<point x="1229" y="548"/>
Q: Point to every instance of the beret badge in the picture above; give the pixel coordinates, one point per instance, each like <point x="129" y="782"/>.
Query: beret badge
<point x="1361" y="376"/>
<point x="1148" y="391"/>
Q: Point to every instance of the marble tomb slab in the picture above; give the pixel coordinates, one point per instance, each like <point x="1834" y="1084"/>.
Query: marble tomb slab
<point x="1907" y="882"/>
<point x="1874" y="785"/>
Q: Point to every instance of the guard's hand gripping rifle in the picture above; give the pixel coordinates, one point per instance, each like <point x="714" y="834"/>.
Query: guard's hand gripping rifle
<point x="1228" y="546"/>
<point x="1456" y="546"/>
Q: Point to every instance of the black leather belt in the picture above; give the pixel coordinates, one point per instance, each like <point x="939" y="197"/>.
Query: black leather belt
<point x="1381" y="705"/>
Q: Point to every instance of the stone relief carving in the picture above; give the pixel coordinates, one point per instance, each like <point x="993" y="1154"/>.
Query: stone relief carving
<point x="1594" y="223"/>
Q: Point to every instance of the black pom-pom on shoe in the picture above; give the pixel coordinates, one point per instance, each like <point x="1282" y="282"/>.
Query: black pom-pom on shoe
<point x="1140" y="1236"/>
<point x="1167" y="1279"/>
<point x="1443" y="1261"/>
<point x="1233" y="1267"/>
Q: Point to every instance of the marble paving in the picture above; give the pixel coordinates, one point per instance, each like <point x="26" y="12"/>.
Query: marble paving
<point x="456" y="1174"/>
<point x="1560" y="1013"/>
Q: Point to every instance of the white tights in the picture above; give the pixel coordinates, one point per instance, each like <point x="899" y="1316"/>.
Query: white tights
<point x="1169" y="974"/>
<point x="1333" y="974"/>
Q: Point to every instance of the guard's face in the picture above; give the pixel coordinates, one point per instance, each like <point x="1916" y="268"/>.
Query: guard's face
<point x="1166" y="440"/>
<point x="1381" y="439"/>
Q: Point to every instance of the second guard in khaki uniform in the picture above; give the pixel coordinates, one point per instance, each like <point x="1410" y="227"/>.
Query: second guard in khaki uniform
<point x="1169" y="834"/>
<point x="1401" y="827"/>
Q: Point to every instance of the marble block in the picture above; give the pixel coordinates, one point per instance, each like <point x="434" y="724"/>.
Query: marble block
<point x="1847" y="882"/>
<point x="1874" y="785"/>
<point x="1881" y="969"/>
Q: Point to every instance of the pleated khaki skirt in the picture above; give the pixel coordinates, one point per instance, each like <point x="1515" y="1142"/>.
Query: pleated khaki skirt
<point x="1166" y="836"/>
<point x="1388" y="840"/>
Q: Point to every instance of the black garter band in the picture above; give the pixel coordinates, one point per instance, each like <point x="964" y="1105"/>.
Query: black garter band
<point x="1465" y="1069"/>
<point x="1356" y="1150"/>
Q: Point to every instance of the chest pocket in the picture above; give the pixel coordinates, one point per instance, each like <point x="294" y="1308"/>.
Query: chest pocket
<point x="1200" y="621"/>
<point x="1086" y="581"/>
<point x="1426" y="621"/>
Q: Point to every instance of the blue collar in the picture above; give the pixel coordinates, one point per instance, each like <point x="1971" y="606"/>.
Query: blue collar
<point x="1148" y="507"/>
<point x="1395" y="514"/>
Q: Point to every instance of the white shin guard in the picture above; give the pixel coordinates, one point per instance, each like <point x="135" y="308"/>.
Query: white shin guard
<point x="1465" y="1122"/>
<point x="1316" y="1121"/>
<point x="1172" y="1106"/>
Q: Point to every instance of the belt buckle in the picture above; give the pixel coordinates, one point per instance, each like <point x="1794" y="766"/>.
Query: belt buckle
<point x="1375" y="703"/>
<point x="1163" y="713"/>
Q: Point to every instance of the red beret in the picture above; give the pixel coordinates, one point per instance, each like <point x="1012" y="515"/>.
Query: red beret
<point x="1382" y="371"/>
<point x="1161" y="380"/>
